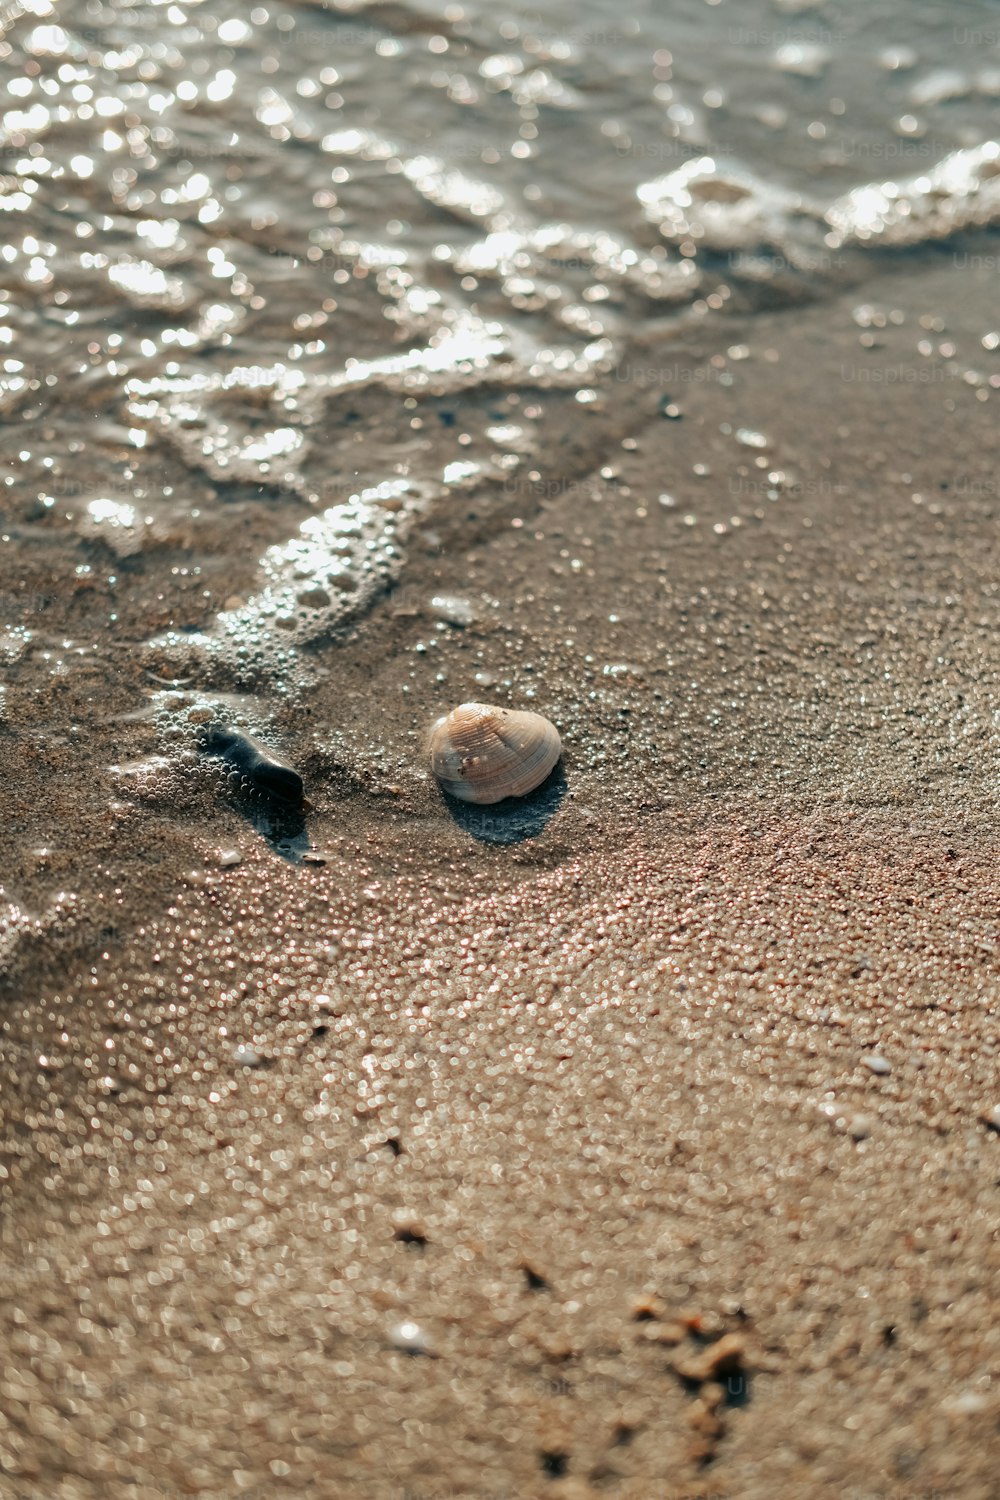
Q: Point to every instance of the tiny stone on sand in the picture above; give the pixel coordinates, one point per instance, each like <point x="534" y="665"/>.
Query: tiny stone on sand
<point x="245" y="1056"/>
<point x="409" y="1338"/>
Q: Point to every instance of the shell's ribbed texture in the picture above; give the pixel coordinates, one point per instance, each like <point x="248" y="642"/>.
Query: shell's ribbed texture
<point x="483" y="754"/>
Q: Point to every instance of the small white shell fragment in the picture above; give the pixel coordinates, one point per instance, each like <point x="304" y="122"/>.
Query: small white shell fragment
<point x="453" y="608"/>
<point x="966" y="1403"/>
<point x="245" y="1056"/>
<point x="878" y="1064"/>
<point x="483" y="754"/>
<point x="228" y="857"/>
<point x="409" y="1337"/>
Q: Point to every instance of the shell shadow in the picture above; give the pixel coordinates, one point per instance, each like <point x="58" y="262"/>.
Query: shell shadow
<point x="515" y="818"/>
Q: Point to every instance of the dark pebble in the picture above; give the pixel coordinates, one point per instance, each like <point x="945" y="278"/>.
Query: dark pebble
<point x="264" y="772"/>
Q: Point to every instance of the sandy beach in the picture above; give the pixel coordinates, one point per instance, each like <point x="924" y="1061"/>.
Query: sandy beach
<point x="532" y="1128"/>
<point x="639" y="1141"/>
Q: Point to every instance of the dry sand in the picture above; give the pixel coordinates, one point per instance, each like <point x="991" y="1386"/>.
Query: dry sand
<point x="711" y="1057"/>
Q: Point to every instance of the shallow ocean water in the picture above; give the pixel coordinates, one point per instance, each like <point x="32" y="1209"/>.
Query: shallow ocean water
<point x="281" y="285"/>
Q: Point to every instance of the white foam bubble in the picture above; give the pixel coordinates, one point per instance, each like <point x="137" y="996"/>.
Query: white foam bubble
<point x="961" y="192"/>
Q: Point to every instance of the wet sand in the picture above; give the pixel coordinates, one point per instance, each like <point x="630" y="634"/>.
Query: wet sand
<point x="533" y="1126"/>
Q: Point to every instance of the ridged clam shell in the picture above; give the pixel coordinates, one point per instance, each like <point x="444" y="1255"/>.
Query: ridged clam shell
<point x="483" y="754"/>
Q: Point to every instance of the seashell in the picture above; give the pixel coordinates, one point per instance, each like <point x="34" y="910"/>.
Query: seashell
<point x="262" y="771"/>
<point x="483" y="754"/>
